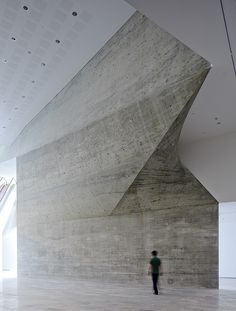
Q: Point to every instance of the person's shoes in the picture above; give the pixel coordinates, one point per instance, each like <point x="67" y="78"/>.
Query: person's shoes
<point x="155" y="293"/>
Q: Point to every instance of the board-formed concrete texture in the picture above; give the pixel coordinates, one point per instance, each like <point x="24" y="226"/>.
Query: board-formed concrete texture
<point x="105" y="186"/>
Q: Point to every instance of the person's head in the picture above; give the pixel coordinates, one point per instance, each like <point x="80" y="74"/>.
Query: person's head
<point x="154" y="253"/>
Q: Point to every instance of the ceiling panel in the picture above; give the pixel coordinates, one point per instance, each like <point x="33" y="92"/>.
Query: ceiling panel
<point x="43" y="44"/>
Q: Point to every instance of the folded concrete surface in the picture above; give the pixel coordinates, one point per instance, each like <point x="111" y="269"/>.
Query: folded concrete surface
<point x="102" y="185"/>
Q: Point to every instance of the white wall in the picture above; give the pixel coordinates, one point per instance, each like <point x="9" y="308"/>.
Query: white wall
<point x="8" y="230"/>
<point x="213" y="162"/>
<point x="9" y="241"/>
<point x="9" y="245"/>
<point x="227" y="243"/>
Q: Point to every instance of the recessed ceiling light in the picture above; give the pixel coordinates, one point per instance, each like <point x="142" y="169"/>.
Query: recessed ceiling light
<point x="218" y="123"/>
<point x="29" y="52"/>
<point x="25" y="8"/>
<point x="5" y="61"/>
<point x="57" y="41"/>
<point x="13" y="38"/>
<point x="216" y="118"/>
<point x="4" y="127"/>
<point x="74" y="13"/>
<point x="23" y="96"/>
<point x="43" y="64"/>
<point x="32" y="81"/>
<point x="16" y="108"/>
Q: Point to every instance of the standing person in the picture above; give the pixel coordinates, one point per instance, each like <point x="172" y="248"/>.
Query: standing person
<point x="154" y="269"/>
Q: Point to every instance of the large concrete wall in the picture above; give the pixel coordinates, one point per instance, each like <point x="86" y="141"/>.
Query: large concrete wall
<point x="97" y="196"/>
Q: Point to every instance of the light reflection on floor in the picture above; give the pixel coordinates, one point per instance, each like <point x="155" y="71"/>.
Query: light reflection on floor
<point x="77" y="295"/>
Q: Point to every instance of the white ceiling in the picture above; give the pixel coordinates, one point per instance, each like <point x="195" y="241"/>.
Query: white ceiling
<point x="33" y="66"/>
<point x="200" y="25"/>
<point x="26" y="85"/>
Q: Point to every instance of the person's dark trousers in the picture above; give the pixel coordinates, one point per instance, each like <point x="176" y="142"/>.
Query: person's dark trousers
<point x="155" y="280"/>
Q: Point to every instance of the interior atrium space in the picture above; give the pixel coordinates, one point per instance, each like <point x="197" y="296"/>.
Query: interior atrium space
<point x="117" y="155"/>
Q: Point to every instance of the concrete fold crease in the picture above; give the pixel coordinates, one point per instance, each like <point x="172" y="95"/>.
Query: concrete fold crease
<point x="102" y="185"/>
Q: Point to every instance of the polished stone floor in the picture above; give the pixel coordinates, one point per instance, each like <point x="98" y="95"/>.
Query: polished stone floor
<point x="55" y="295"/>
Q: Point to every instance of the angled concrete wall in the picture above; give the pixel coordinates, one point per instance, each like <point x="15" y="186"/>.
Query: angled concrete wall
<point x="106" y="187"/>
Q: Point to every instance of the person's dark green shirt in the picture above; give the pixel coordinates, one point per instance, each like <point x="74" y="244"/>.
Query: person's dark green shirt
<point x="155" y="262"/>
